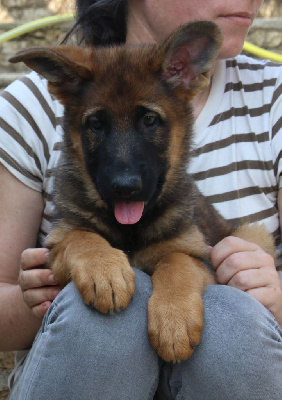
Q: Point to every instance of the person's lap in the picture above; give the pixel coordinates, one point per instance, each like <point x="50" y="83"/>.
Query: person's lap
<point x="82" y="354"/>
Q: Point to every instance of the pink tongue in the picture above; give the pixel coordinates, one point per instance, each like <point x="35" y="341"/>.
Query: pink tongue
<point x="129" y="212"/>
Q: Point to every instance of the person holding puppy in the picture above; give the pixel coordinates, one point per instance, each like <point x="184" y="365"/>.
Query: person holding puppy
<point x="79" y="353"/>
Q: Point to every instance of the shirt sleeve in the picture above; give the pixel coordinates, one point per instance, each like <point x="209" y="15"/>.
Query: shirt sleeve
<point x="27" y="121"/>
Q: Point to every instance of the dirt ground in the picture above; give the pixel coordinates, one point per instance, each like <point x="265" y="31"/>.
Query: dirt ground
<point x="4" y="394"/>
<point x="6" y="365"/>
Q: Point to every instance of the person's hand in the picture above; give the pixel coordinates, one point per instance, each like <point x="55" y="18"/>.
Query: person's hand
<point x="247" y="267"/>
<point x="37" y="284"/>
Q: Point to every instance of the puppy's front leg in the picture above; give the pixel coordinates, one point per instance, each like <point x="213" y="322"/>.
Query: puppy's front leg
<point x="101" y="273"/>
<point x="176" y="306"/>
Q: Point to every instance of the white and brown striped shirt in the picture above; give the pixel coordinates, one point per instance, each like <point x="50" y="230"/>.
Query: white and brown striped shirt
<point x="237" y="148"/>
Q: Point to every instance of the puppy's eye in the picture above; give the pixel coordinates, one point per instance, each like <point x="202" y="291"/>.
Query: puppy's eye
<point x="95" y="124"/>
<point x="97" y="121"/>
<point x="151" y="120"/>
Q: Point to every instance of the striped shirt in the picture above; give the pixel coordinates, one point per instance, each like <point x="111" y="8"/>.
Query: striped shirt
<point x="30" y="136"/>
<point x="237" y="147"/>
<point x="237" y="159"/>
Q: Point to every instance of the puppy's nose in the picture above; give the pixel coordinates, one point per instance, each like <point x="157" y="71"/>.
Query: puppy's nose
<point x="125" y="186"/>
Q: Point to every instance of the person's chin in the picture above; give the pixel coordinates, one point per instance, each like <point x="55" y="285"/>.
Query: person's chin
<point x="231" y="49"/>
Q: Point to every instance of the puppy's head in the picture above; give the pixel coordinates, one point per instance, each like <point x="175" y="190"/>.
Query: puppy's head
<point x="128" y="116"/>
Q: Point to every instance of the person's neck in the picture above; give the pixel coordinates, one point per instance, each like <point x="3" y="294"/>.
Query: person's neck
<point x="137" y="31"/>
<point x="200" y="100"/>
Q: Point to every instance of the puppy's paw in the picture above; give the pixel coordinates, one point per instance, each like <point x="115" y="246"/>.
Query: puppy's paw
<point x="106" y="283"/>
<point x="175" y="327"/>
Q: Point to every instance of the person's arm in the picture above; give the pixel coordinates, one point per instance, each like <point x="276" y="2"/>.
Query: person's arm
<point x="20" y="219"/>
<point x="279" y="202"/>
<point x="280" y="209"/>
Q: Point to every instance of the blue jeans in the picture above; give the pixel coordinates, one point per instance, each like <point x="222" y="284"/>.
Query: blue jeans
<point x="80" y="354"/>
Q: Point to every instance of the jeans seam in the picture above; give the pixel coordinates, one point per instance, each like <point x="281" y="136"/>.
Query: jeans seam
<point x="49" y="318"/>
<point x="35" y="368"/>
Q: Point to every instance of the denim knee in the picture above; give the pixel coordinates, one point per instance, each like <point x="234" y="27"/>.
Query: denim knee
<point x="80" y="353"/>
<point x="69" y="318"/>
<point x="233" y="314"/>
<point x="239" y="332"/>
<point x="240" y="353"/>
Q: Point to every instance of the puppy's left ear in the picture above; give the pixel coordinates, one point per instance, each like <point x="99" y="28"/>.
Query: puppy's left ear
<point x="62" y="66"/>
<point x="189" y="53"/>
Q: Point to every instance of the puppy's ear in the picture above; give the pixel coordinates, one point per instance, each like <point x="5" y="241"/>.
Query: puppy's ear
<point x="59" y="65"/>
<point x="189" y="53"/>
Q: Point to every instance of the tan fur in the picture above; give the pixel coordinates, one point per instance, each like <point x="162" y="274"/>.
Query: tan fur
<point x="178" y="280"/>
<point x="257" y="234"/>
<point x="190" y="243"/>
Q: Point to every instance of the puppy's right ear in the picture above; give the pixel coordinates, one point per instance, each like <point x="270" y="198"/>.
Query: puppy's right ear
<point x="189" y="54"/>
<point x="59" y="65"/>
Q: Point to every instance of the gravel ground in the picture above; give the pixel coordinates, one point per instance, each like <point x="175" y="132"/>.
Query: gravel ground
<point x="6" y="365"/>
<point x="4" y="394"/>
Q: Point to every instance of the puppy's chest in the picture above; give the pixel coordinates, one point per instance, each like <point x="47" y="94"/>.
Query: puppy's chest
<point x="129" y="239"/>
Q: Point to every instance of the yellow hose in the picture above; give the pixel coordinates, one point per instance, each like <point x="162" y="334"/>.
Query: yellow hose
<point x="34" y="25"/>
<point x="61" y="18"/>
<point x="262" y="53"/>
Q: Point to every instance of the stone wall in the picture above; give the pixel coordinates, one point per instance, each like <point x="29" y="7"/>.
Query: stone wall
<point x="267" y="33"/>
<point x="28" y="10"/>
<point x="271" y="8"/>
<point x="16" y="12"/>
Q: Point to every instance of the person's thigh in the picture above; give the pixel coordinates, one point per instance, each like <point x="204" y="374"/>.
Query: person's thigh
<point x="82" y="354"/>
<point x="239" y="357"/>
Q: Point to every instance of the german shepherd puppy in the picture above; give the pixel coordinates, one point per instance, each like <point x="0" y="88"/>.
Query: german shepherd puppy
<point x="123" y="196"/>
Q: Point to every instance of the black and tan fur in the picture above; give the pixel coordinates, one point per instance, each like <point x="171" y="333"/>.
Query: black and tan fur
<point x="128" y="135"/>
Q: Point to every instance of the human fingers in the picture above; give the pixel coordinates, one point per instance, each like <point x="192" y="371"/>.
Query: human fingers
<point x="31" y="274"/>
<point x="39" y="289"/>
<point x="252" y="279"/>
<point x="36" y="297"/>
<point x="31" y="258"/>
<point x="247" y="267"/>
<point x="40" y="310"/>
<point x="241" y="261"/>
<point x="36" y="278"/>
<point x="271" y="297"/>
<point x="38" y="284"/>
<point x="229" y="246"/>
